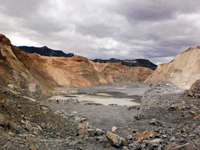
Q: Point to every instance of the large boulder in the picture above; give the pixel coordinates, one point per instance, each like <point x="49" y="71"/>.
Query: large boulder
<point x="194" y="91"/>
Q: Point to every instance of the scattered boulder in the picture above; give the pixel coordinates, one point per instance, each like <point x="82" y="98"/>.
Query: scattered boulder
<point x="100" y="139"/>
<point x="194" y="90"/>
<point x="129" y="137"/>
<point x="154" y="141"/>
<point x="155" y="122"/>
<point x="146" y="135"/>
<point x="84" y="125"/>
<point x="91" y="132"/>
<point x="83" y="131"/>
<point x="78" y="119"/>
<point x="115" y="140"/>
<point x="99" y="132"/>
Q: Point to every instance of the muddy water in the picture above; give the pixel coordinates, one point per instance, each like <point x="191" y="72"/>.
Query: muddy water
<point x="99" y="98"/>
<point x="125" y="94"/>
<point x="105" y="100"/>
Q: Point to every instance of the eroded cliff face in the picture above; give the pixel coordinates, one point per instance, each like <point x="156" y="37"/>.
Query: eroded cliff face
<point x="183" y="71"/>
<point x="28" y="71"/>
<point x="13" y="71"/>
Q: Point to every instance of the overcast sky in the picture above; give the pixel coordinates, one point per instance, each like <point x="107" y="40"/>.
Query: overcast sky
<point x="127" y="29"/>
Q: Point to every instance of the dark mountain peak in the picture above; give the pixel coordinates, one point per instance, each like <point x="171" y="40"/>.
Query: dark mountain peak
<point x="45" y="47"/>
<point x="45" y="51"/>
<point x="131" y="63"/>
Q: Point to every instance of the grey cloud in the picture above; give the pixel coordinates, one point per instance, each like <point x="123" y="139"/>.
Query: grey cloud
<point x="21" y="8"/>
<point x="155" y="10"/>
<point x="154" y="29"/>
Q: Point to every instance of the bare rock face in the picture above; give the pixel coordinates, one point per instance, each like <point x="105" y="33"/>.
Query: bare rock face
<point x="12" y="70"/>
<point x="183" y="71"/>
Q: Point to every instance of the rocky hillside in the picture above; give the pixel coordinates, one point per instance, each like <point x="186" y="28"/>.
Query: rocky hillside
<point x="13" y="72"/>
<point x="31" y="70"/>
<point x="183" y="71"/>
<point x="131" y="63"/>
<point x="45" y="51"/>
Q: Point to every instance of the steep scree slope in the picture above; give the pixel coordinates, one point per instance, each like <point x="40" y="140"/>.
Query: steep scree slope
<point x="183" y="71"/>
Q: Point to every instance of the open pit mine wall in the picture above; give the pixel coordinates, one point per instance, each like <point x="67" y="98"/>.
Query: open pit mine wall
<point x="13" y="73"/>
<point x="183" y="71"/>
<point x="37" y="73"/>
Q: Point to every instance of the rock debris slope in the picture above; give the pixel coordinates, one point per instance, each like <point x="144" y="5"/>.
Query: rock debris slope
<point x="183" y="71"/>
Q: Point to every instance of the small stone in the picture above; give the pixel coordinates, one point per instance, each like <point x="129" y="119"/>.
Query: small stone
<point x="125" y="148"/>
<point x="35" y="132"/>
<point x="129" y="137"/>
<point x="28" y="126"/>
<point x="84" y="124"/>
<point x="114" y="128"/>
<point x="43" y="125"/>
<point x="137" y="117"/>
<point x="91" y="132"/>
<point x="33" y="147"/>
<point x="39" y="128"/>
<point x="193" y="112"/>
<point x="143" y="145"/>
<point x="83" y="131"/>
<point x="74" y="112"/>
<point x="146" y="135"/>
<point x="100" y="138"/>
<point x="19" y="106"/>
<point x="164" y="136"/>
<point x="78" y="119"/>
<point x="99" y="132"/>
<point x="155" y="122"/>
<point x="184" y="135"/>
<point x="115" y="140"/>
<point x="81" y="136"/>
<point x="172" y="139"/>
<point x="86" y="137"/>
<point x="157" y="140"/>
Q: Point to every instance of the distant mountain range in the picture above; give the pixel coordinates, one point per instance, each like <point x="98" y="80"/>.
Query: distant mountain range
<point x="45" y="51"/>
<point x="130" y="63"/>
